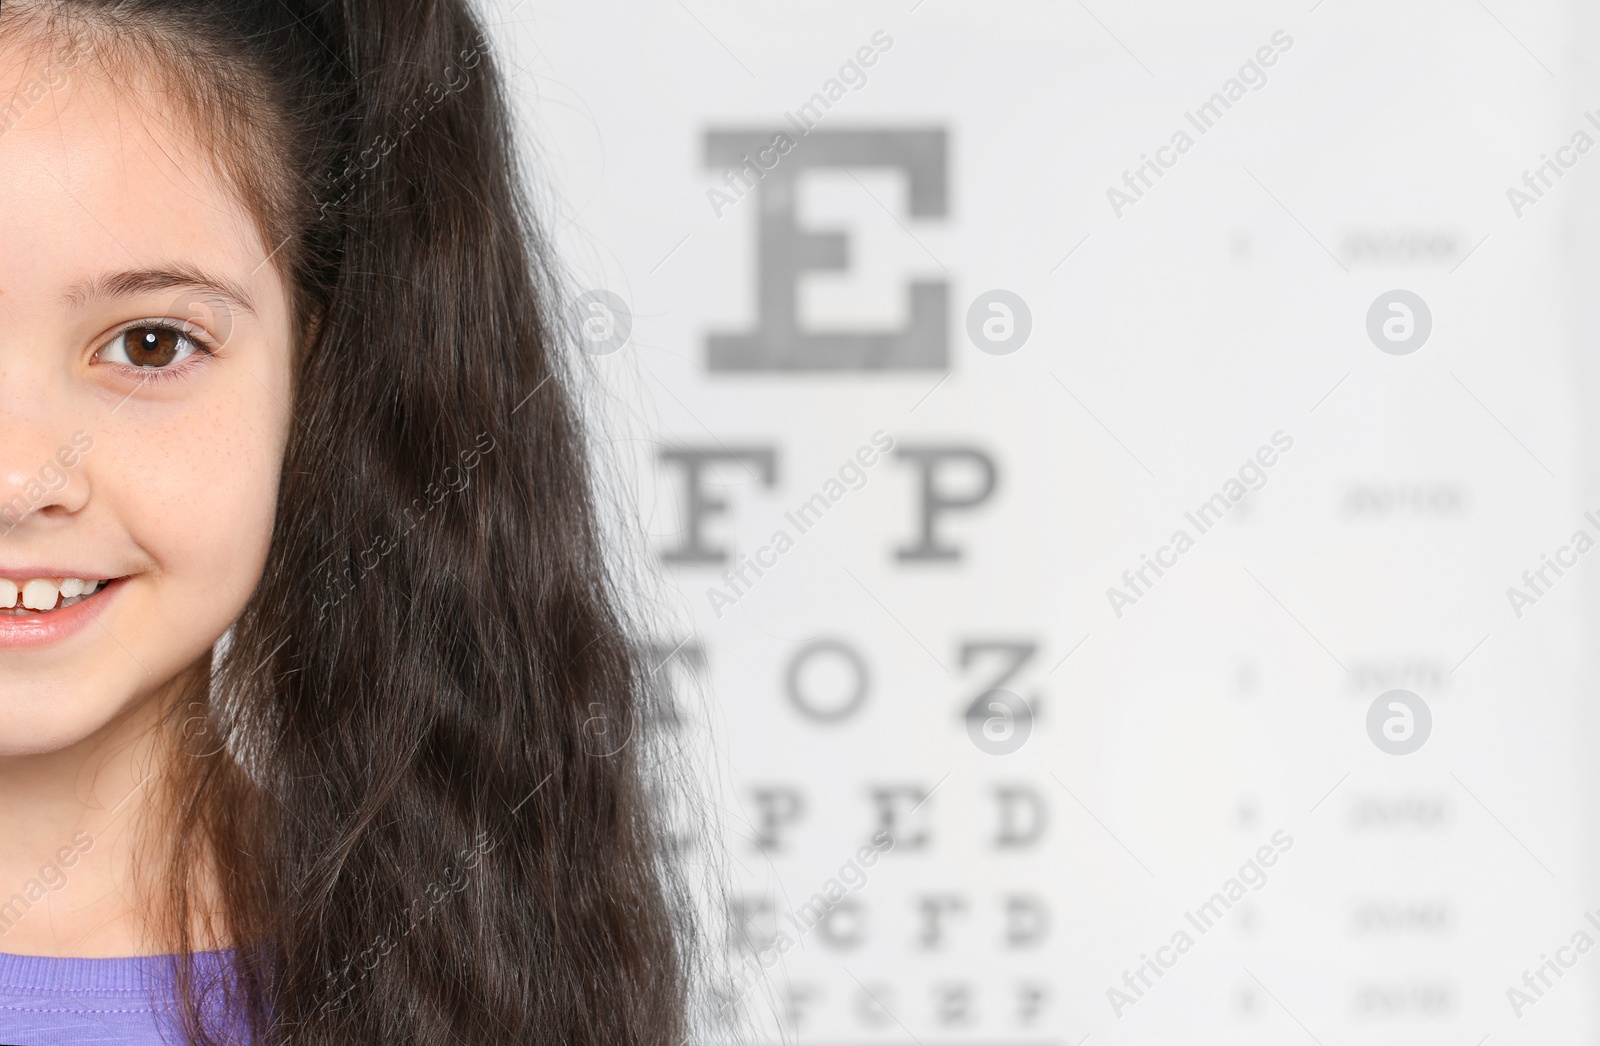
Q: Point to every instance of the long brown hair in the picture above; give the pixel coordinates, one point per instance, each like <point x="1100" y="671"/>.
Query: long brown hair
<point x="419" y="773"/>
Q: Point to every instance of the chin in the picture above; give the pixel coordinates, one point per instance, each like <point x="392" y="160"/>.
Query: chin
<point x="38" y="717"/>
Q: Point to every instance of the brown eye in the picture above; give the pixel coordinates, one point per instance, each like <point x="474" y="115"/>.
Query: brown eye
<point x="149" y="347"/>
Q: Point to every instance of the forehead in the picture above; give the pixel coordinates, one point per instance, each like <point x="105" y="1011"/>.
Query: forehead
<point x="106" y="171"/>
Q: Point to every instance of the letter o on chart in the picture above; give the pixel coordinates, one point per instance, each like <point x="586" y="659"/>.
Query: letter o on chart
<point x="830" y="663"/>
<point x="844" y="925"/>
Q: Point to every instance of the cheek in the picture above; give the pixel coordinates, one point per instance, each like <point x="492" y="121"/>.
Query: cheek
<point x="196" y="490"/>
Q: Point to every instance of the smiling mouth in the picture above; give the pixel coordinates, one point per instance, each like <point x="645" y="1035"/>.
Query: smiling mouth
<point x="36" y="597"/>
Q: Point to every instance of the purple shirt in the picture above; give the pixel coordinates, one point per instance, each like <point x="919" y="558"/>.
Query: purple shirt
<point x="75" y="1002"/>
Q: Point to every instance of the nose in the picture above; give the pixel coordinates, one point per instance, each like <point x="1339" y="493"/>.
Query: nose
<point x="42" y="478"/>
<point x="45" y="429"/>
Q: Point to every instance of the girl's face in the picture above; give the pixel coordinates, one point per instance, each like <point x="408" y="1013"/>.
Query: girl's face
<point x="145" y="355"/>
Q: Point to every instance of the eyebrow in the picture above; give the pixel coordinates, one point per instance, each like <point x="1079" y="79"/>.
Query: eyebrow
<point x="132" y="282"/>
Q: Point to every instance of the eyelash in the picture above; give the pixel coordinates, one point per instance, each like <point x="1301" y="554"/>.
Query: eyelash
<point x="177" y="372"/>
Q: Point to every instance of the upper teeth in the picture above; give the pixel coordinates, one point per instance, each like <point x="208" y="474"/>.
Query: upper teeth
<point x="42" y="593"/>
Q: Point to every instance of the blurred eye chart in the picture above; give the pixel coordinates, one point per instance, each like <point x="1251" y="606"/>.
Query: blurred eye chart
<point x="1125" y="480"/>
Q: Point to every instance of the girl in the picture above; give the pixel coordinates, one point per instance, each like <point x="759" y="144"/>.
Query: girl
<point x="320" y="718"/>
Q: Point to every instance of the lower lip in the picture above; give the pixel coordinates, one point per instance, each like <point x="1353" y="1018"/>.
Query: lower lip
<point x="23" y="631"/>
